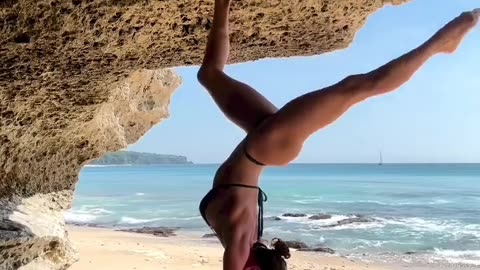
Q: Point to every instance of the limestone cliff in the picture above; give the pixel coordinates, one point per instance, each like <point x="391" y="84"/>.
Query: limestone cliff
<point x="82" y="77"/>
<point x="40" y="158"/>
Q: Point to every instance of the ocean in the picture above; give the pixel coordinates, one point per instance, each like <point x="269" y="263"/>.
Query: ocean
<point x="410" y="213"/>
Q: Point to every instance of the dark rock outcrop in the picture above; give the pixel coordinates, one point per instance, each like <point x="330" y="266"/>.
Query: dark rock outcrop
<point x="319" y="249"/>
<point x="350" y="221"/>
<point x="81" y="224"/>
<point x="156" y="231"/>
<point x="294" y="215"/>
<point x="301" y="246"/>
<point x="296" y="244"/>
<point x="320" y="216"/>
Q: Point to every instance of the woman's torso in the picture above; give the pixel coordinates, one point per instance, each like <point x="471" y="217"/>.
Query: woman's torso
<point x="234" y="207"/>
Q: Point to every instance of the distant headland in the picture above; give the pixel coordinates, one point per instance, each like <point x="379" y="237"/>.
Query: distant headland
<point x="138" y="158"/>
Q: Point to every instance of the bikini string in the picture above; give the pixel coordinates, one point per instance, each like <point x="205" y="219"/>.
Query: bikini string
<point x="262" y="197"/>
<point x="249" y="157"/>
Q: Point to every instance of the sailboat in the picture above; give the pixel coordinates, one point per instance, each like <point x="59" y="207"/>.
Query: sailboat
<point x="380" y="163"/>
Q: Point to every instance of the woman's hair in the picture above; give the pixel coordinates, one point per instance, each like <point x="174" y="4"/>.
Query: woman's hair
<point x="271" y="259"/>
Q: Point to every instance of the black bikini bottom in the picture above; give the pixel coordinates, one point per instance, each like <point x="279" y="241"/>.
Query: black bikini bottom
<point x="262" y="197"/>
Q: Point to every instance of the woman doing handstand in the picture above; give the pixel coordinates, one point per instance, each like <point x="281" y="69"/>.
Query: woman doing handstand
<point x="234" y="206"/>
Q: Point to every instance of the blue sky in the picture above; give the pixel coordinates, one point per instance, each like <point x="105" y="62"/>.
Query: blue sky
<point x="433" y="118"/>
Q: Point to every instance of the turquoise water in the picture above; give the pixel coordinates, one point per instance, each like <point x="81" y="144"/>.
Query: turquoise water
<point x="431" y="210"/>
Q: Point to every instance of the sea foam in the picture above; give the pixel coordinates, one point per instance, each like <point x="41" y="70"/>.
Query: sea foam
<point x="471" y="257"/>
<point x="86" y="214"/>
<point x="131" y="220"/>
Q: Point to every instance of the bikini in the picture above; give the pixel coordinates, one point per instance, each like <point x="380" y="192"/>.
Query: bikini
<point x="262" y="197"/>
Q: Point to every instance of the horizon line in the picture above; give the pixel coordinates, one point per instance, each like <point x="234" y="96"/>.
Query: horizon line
<point x="365" y="163"/>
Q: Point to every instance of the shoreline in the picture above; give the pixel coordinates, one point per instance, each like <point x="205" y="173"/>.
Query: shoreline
<point x="98" y="244"/>
<point x="103" y="248"/>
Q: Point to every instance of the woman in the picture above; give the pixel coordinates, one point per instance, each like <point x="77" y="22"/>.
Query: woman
<point x="233" y="208"/>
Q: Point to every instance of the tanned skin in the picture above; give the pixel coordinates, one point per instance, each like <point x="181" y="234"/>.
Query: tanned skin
<point x="276" y="136"/>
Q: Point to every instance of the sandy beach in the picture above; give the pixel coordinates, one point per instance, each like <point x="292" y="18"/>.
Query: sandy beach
<point x="105" y="249"/>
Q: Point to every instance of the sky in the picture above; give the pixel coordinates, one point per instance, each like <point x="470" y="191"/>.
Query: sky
<point x="431" y="119"/>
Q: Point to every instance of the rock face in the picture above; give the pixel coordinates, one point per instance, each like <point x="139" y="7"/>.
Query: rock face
<point x="32" y="232"/>
<point x="79" y="78"/>
<point x="40" y="160"/>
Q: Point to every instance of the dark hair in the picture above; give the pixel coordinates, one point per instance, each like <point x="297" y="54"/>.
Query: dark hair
<point x="272" y="259"/>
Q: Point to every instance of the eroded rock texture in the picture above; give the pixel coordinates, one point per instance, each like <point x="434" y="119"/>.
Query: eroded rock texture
<point x="65" y="99"/>
<point x="40" y="159"/>
<point x="33" y="234"/>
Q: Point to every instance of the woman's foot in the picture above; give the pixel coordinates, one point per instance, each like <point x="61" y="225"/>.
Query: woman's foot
<point x="447" y="39"/>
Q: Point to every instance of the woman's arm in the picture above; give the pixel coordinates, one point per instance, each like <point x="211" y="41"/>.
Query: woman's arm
<point x="237" y="248"/>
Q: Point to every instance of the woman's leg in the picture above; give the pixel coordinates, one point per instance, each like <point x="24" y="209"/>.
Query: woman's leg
<point x="238" y="101"/>
<point x="280" y="139"/>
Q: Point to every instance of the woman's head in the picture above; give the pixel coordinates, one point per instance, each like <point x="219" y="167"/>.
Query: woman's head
<point x="271" y="259"/>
